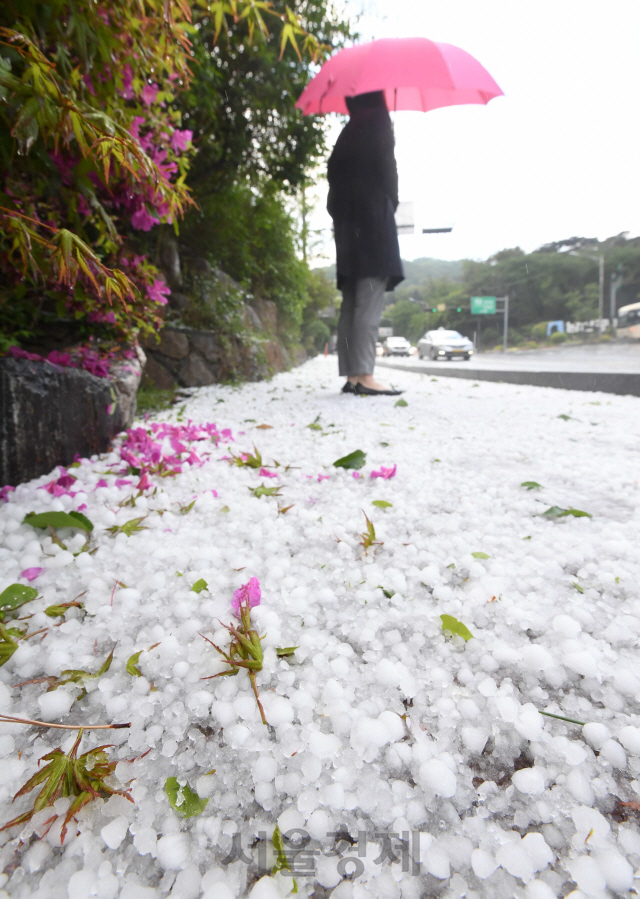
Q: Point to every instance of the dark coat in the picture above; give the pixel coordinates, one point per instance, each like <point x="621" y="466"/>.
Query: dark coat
<point x="363" y="196"/>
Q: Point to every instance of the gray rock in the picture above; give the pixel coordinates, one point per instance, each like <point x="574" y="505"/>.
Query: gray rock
<point x="170" y="261"/>
<point x="49" y="413"/>
<point x="268" y="314"/>
<point x="158" y="374"/>
<point x="205" y="343"/>
<point x="251" y="318"/>
<point x="200" y="265"/>
<point x="193" y="372"/>
<point x="178" y="300"/>
<point x="125" y="379"/>
<point x="173" y="343"/>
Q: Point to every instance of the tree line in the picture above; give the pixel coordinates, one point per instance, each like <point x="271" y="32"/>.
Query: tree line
<point x="558" y="281"/>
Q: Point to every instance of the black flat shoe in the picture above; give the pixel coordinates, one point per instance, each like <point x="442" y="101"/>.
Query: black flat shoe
<point x="348" y="388"/>
<point x="361" y="390"/>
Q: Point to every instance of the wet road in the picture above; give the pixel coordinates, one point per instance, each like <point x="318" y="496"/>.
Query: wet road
<point x="609" y="357"/>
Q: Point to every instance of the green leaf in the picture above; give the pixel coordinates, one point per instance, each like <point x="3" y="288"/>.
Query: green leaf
<point x="58" y="520"/>
<point x="283" y="651"/>
<point x="200" y="585"/>
<point x="387" y="593"/>
<point x="557" y="512"/>
<point x="354" y="460"/>
<point x="401" y="402"/>
<point x="183" y="799"/>
<point x="129" y="527"/>
<point x="132" y="661"/>
<point x="531" y="485"/>
<point x="449" y="623"/>
<point x="7" y="644"/>
<point x="578" y="587"/>
<point x="382" y="504"/>
<point x="565" y="417"/>
<point x="58" y="609"/>
<point x="16" y="595"/>
<point x="480" y="555"/>
<point x="184" y="510"/>
<point x="264" y="491"/>
<point x="282" y="862"/>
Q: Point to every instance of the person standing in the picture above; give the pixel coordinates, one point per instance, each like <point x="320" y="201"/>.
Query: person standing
<point x="363" y="197"/>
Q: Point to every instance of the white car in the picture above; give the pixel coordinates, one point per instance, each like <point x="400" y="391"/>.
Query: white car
<point x="443" y="344"/>
<point x="397" y="346"/>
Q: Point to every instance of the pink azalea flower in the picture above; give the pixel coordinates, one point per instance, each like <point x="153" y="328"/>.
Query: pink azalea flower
<point x="149" y="94"/>
<point x="82" y="206"/>
<point x="142" y="221"/>
<point x="123" y="482"/>
<point x="159" y="291"/>
<point x="17" y="353"/>
<point x="134" y="127"/>
<point x="323" y="477"/>
<point x="385" y="473"/>
<point x="81" y="508"/>
<point x="265" y="473"/>
<point x="249" y="594"/>
<point x="31" y="573"/>
<point x="127" y="82"/>
<point x="144" y="483"/>
<point x="57" y="358"/>
<point x="101" y="483"/>
<point x="5" y="491"/>
<point x="180" y="140"/>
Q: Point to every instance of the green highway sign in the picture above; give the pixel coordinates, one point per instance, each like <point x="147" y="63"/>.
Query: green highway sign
<point x="483" y="305"/>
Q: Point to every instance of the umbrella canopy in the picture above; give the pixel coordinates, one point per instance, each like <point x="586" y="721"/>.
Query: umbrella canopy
<point x="414" y="72"/>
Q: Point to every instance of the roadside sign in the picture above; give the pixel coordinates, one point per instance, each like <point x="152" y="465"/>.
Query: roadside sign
<point x="483" y="305"/>
<point x="404" y="218"/>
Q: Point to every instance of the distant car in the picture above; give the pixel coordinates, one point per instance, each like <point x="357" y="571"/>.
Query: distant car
<point x="443" y="344"/>
<point x="396" y="346"/>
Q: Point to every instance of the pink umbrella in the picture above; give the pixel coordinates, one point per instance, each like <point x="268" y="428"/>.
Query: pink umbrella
<point x="414" y="73"/>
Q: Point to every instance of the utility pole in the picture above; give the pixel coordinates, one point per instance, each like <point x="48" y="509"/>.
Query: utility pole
<point x="600" y="287"/>
<point x="505" y="324"/>
<point x="617" y="278"/>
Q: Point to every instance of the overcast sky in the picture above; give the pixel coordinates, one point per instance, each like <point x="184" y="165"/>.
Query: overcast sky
<point x="557" y="156"/>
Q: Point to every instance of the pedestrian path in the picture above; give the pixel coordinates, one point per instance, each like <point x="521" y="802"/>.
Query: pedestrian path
<point x="475" y="566"/>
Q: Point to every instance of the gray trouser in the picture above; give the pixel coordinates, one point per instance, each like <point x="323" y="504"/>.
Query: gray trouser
<point x="362" y="305"/>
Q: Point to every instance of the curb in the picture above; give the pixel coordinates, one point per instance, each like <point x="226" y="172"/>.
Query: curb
<point x="622" y="383"/>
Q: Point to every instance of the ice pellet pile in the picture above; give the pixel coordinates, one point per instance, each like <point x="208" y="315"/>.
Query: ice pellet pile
<point x="405" y="755"/>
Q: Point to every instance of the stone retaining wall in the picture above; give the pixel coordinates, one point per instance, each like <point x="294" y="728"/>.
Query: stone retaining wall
<point x="48" y="413"/>
<point x="193" y="358"/>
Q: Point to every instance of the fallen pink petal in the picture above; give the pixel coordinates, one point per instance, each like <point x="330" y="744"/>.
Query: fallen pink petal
<point x="265" y="473"/>
<point x="144" y="483"/>
<point x="323" y="477"/>
<point x="385" y="473"/>
<point x="31" y="573"/>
